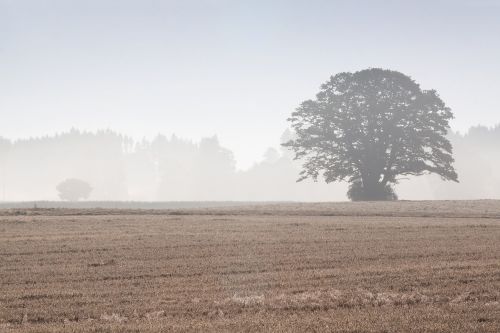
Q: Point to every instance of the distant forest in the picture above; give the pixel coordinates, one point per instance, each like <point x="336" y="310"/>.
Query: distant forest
<point x="174" y="169"/>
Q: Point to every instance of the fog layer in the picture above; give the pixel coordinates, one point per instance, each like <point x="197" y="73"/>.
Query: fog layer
<point x="175" y="169"/>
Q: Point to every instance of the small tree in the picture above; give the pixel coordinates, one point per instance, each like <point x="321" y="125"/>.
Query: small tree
<point x="369" y="128"/>
<point x="73" y="189"/>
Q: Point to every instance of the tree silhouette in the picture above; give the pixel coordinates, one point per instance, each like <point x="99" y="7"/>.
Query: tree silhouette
<point x="73" y="189"/>
<point x="369" y="128"/>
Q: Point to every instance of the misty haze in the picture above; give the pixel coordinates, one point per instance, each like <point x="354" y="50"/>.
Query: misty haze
<point x="177" y="169"/>
<point x="249" y="166"/>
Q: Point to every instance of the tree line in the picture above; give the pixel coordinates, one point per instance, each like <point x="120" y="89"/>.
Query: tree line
<point x="175" y="169"/>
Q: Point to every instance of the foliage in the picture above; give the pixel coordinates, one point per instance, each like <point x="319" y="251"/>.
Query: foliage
<point x="73" y="189"/>
<point x="357" y="192"/>
<point x="369" y="128"/>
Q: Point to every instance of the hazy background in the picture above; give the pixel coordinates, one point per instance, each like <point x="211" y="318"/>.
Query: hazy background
<point x="135" y="70"/>
<point x="176" y="169"/>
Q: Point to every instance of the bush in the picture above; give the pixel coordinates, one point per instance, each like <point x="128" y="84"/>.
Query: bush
<point x="357" y="192"/>
<point x="73" y="189"/>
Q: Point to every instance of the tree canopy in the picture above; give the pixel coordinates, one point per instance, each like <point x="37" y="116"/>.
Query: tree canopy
<point x="369" y="128"/>
<point x="73" y="189"/>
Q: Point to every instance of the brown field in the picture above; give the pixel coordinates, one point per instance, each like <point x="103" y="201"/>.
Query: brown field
<point x="363" y="267"/>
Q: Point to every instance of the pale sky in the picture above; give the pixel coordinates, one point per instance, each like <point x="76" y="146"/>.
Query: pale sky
<point x="232" y="68"/>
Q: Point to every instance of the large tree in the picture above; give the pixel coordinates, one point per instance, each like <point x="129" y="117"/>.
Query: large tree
<point x="370" y="128"/>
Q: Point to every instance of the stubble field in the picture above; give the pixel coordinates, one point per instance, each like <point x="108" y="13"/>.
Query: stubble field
<point x="362" y="267"/>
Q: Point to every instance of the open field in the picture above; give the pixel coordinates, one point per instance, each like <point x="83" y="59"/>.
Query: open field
<point x="362" y="267"/>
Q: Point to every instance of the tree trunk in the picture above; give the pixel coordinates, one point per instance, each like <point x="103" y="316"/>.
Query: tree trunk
<point x="366" y="190"/>
<point x="374" y="191"/>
